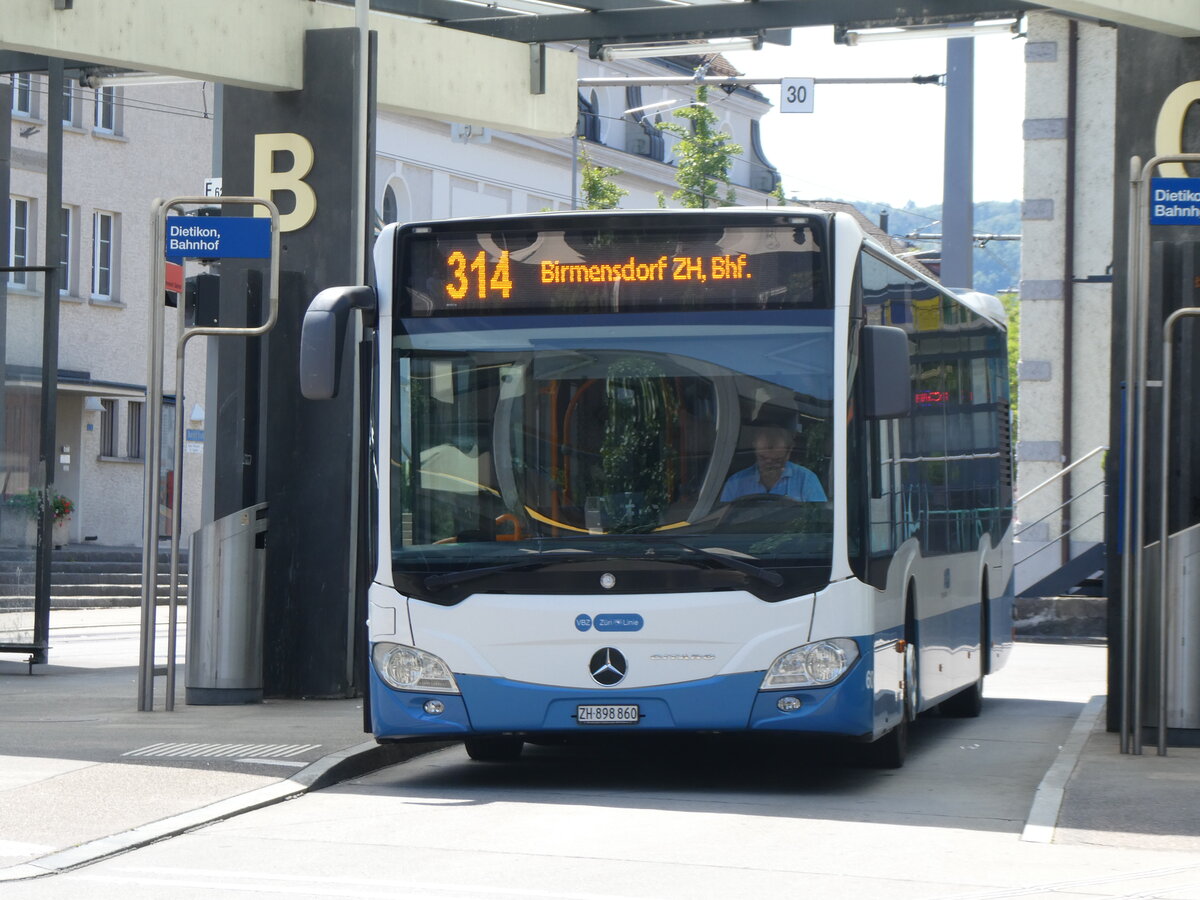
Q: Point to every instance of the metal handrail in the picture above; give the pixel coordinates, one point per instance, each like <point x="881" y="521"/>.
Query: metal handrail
<point x="1061" y="472"/>
<point x="1053" y="542"/>
<point x="1026" y="526"/>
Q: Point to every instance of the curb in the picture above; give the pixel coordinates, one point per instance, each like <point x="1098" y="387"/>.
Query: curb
<point x="1047" y="802"/>
<point x="352" y="762"/>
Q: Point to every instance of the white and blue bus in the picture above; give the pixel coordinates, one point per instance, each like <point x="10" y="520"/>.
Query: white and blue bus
<point x="676" y="471"/>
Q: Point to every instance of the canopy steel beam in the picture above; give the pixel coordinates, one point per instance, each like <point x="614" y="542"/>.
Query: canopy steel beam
<point x="719" y="19"/>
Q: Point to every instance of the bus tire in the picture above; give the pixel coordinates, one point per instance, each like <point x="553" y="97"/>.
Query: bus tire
<point x="889" y="751"/>
<point x="968" y="703"/>
<point x="494" y="748"/>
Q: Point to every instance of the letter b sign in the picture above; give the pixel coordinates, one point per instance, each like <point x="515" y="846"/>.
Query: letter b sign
<point x="1168" y="135"/>
<point x="268" y="180"/>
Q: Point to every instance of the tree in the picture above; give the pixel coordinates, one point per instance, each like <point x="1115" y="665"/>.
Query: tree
<point x="703" y="155"/>
<point x="597" y="189"/>
<point x="1012" y="306"/>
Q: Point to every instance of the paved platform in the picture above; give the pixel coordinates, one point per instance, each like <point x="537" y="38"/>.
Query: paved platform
<point x="85" y="775"/>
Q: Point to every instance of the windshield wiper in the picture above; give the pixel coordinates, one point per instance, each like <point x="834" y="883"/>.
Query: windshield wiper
<point x="445" y="579"/>
<point x="433" y="582"/>
<point x="729" y="562"/>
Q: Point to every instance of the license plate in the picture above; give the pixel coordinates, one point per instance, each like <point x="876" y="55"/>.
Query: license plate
<point x="609" y="714"/>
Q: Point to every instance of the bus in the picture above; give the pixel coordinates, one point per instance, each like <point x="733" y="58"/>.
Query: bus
<point x="699" y="471"/>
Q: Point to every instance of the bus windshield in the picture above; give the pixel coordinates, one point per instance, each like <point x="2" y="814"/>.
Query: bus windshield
<point x="702" y="440"/>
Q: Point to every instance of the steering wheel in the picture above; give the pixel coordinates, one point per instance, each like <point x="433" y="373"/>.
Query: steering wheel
<point x="752" y="501"/>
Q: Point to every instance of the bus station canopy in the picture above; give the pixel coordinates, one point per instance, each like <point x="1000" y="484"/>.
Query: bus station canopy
<point x="510" y="84"/>
<point x="607" y="22"/>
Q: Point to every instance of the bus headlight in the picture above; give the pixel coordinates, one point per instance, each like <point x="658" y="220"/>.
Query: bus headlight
<point x="813" y="665"/>
<point x="410" y="669"/>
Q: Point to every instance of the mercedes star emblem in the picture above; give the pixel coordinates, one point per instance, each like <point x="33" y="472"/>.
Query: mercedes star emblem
<point x="608" y="666"/>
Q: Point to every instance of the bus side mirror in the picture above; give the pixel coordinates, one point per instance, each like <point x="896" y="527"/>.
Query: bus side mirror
<point x="322" y="336"/>
<point x="887" y="381"/>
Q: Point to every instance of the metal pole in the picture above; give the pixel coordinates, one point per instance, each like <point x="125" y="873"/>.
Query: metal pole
<point x="5" y="225"/>
<point x="361" y="21"/>
<point x="1140" y="334"/>
<point x="50" y="319"/>
<point x="745" y="81"/>
<point x="154" y="363"/>
<point x="1128" y="554"/>
<point x="958" y="219"/>
<point x="1164" y="568"/>
<point x="575" y="170"/>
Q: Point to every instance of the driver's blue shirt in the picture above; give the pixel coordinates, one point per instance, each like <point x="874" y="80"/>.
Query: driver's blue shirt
<point x="796" y="482"/>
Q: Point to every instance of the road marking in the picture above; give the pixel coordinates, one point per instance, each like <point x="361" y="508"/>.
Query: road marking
<point x="237" y="752"/>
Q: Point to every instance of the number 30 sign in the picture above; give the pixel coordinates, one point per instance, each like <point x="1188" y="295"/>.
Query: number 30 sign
<point x="796" y="95"/>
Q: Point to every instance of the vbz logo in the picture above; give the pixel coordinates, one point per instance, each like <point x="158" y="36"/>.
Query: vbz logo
<point x="268" y="181"/>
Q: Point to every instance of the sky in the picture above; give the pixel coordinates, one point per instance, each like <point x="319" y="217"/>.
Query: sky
<point x="884" y="143"/>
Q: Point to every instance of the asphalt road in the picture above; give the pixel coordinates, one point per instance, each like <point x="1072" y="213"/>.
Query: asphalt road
<point x="701" y="818"/>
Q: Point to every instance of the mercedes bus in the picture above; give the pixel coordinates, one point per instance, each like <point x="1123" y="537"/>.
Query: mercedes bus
<point x="731" y="471"/>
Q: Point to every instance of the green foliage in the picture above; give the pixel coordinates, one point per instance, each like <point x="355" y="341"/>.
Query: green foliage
<point x="997" y="265"/>
<point x="703" y="155"/>
<point x="642" y="413"/>
<point x="599" y="192"/>
<point x="29" y="503"/>
<point x="1012" y="307"/>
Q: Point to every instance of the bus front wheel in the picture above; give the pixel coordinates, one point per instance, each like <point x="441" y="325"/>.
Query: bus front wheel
<point x="890" y="750"/>
<point x="968" y="703"/>
<point x="494" y="748"/>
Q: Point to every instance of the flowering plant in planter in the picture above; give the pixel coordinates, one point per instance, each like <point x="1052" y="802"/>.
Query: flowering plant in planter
<point x="28" y="502"/>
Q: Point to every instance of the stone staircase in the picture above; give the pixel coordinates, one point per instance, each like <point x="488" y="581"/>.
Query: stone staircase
<point x="83" y="576"/>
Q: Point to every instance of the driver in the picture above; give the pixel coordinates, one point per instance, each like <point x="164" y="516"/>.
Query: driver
<point x="773" y="472"/>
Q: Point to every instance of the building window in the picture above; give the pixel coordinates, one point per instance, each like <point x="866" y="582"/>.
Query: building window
<point x="588" y="126"/>
<point x="135" y="424"/>
<point x="66" y="251"/>
<point x="389" y="205"/>
<point x="69" y="105"/>
<point x="22" y="101"/>
<point x="18" y="240"/>
<point x="108" y="427"/>
<point x="103" y="255"/>
<point x="106" y="110"/>
<point x="642" y="136"/>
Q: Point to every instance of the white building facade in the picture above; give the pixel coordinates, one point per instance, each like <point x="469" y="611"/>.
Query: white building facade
<point x="1064" y="373"/>
<point x="121" y="150"/>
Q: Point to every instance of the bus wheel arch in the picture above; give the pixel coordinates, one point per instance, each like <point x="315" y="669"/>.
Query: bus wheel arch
<point x="912" y="654"/>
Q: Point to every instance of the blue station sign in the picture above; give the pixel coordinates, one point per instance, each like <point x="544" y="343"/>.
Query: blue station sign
<point x="1175" y="201"/>
<point x="218" y="237"/>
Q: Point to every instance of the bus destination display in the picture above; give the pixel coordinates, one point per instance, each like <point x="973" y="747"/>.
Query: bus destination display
<point x="460" y="273"/>
<point x="484" y="279"/>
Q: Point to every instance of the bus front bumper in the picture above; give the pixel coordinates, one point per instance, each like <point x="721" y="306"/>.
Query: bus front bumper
<point x="727" y="703"/>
